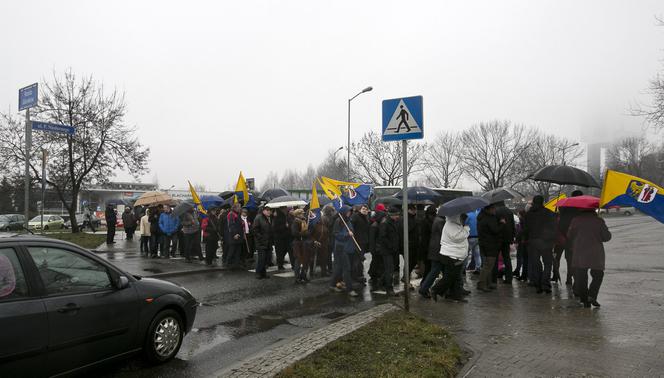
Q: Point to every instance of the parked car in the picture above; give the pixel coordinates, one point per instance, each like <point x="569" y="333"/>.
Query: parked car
<point x="64" y="310"/>
<point x="627" y="210"/>
<point x="51" y="222"/>
<point x="10" y="222"/>
<point x="80" y="219"/>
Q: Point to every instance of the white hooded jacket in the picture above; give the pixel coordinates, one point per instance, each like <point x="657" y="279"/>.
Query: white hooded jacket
<point x="454" y="239"/>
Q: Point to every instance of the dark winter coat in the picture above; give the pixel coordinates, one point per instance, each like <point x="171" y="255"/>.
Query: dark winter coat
<point x="234" y="227"/>
<point x="565" y="216"/>
<point x="434" y="240"/>
<point x="586" y="235"/>
<point x="280" y="225"/>
<point x="509" y="228"/>
<point x="388" y="237"/>
<point x="540" y="224"/>
<point x="373" y="231"/>
<point x="128" y="220"/>
<point x="212" y="229"/>
<point x="425" y="236"/>
<point x="490" y="234"/>
<point x="111" y="216"/>
<point x="361" y="230"/>
<point x="263" y="232"/>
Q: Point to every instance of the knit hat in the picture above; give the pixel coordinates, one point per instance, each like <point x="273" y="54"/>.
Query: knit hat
<point x="380" y="207"/>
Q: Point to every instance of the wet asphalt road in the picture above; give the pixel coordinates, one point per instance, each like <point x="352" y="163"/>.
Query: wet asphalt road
<point x="240" y="315"/>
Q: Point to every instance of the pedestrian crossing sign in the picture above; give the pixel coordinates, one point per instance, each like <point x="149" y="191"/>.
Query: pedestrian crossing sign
<point x="402" y="119"/>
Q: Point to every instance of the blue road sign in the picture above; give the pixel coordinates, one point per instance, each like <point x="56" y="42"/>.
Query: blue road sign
<point x="402" y="119"/>
<point x="53" y="127"/>
<point x="27" y="97"/>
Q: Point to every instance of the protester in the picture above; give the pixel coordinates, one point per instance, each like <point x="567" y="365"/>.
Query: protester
<point x="425" y="237"/>
<point x="168" y="227"/>
<point x="360" y="221"/>
<point x="376" y="266"/>
<point x="344" y="247"/>
<point x="565" y="216"/>
<point x="192" y="235"/>
<point x="473" y="243"/>
<point x="264" y="236"/>
<point x="111" y="219"/>
<point x="129" y="222"/>
<point x="413" y="243"/>
<point x="453" y="250"/>
<point x="235" y="232"/>
<point x="144" y="230"/>
<point x="247" y="249"/>
<point x="489" y="231"/>
<point x="539" y="233"/>
<point x="434" y="256"/>
<point x="388" y="246"/>
<point x="506" y="217"/>
<point x="223" y="226"/>
<point x="329" y="216"/>
<point x="155" y="232"/>
<point x="586" y="234"/>
<point x="319" y="246"/>
<point x="211" y="230"/>
<point x="300" y="236"/>
<point x="282" y="237"/>
<point x="521" y="270"/>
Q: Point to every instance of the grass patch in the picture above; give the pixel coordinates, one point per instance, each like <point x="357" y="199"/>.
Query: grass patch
<point x="89" y="241"/>
<point x="396" y="345"/>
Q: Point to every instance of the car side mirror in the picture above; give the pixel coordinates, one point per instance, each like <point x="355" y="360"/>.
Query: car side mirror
<point x="122" y="283"/>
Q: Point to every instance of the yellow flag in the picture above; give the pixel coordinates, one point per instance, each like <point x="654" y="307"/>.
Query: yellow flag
<point x="241" y="187"/>
<point x="331" y="192"/>
<point x="337" y="183"/>
<point x="314" y="198"/>
<point x="197" y="199"/>
<point x="551" y="205"/>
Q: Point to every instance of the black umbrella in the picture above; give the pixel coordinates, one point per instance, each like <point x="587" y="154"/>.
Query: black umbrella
<point x="564" y="175"/>
<point x="462" y="205"/>
<point x="420" y="195"/>
<point x="227" y="194"/>
<point x="273" y="193"/>
<point x="182" y="208"/>
<point x="501" y="194"/>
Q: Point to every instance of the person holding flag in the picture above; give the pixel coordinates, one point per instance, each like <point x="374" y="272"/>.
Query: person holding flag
<point x="344" y="247"/>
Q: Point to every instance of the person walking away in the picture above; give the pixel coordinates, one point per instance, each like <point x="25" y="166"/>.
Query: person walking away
<point x="192" y="239"/>
<point x="454" y="250"/>
<point x="425" y="237"/>
<point x="129" y="222"/>
<point x="168" y="227"/>
<point x="235" y="232"/>
<point x="387" y="246"/>
<point x="473" y="243"/>
<point x="587" y="234"/>
<point x="376" y="266"/>
<point x="300" y="235"/>
<point x="264" y="236"/>
<point x="521" y="270"/>
<point x="360" y="221"/>
<point x="282" y="237"/>
<point x="539" y="232"/>
<point x="144" y="230"/>
<point x="565" y="216"/>
<point x="344" y="247"/>
<point x="434" y="256"/>
<point x="489" y="233"/>
<point x="505" y="216"/>
<point x="111" y="219"/>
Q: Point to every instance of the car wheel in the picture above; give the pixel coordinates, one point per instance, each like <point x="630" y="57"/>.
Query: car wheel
<point x="164" y="337"/>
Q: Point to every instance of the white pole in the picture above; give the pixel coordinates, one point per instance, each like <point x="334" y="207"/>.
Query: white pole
<point x="28" y="146"/>
<point x="404" y="215"/>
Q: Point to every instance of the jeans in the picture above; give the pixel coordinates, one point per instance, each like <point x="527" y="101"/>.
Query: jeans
<point x="169" y="241"/>
<point x="540" y="252"/>
<point x="581" y="283"/>
<point x="341" y="269"/>
<point x="436" y="268"/>
<point x="474" y="251"/>
<point x="262" y="260"/>
<point x="145" y="245"/>
<point x="521" y="269"/>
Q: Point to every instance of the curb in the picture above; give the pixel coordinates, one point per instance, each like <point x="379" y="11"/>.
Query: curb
<point x="185" y="272"/>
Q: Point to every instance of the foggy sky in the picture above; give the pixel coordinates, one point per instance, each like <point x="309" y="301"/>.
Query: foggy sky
<point x="259" y="86"/>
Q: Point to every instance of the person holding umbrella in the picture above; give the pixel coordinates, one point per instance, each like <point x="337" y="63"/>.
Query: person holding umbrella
<point x="453" y="251"/>
<point x="434" y="255"/>
<point x="565" y="216"/>
<point x="539" y="234"/>
<point x="489" y="231"/>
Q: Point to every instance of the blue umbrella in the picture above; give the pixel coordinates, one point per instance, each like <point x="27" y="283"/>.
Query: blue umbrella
<point x="210" y="201"/>
<point x="462" y="205"/>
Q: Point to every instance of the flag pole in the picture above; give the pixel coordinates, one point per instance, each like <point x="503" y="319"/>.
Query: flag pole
<point x="348" y="228"/>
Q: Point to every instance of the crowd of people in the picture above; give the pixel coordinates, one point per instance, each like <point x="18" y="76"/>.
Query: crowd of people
<point x="479" y="242"/>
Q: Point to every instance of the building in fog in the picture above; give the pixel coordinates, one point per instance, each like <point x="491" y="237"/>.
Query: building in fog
<point x="596" y="155"/>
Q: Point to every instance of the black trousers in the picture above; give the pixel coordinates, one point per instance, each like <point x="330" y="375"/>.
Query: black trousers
<point x="145" y="245"/>
<point x="585" y="292"/>
<point x="388" y="265"/>
<point x="129" y="231"/>
<point x="192" y="245"/>
<point x="262" y="260"/>
<point x="169" y="242"/>
<point x="376" y="267"/>
<point x="110" y="234"/>
<point x="281" y="247"/>
<point x="558" y="255"/>
<point x="540" y="260"/>
<point x="211" y="245"/>
<point x="507" y="260"/>
<point x="451" y="278"/>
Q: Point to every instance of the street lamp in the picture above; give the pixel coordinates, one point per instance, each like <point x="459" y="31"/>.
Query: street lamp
<point x="565" y="148"/>
<point x="367" y="89"/>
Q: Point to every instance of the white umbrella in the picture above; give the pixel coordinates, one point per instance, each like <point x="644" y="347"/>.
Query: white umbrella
<point x="286" y="201"/>
<point x="154" y="198"/>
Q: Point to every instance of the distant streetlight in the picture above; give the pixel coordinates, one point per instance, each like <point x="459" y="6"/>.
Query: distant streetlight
<point x="565" y="148"/>
<point x="367" y="89"/>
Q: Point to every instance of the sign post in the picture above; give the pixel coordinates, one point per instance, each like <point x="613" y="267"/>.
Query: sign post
<point x="43" y="188"/>
<point x="27" y="98"/>
<point x="402" y="120"/>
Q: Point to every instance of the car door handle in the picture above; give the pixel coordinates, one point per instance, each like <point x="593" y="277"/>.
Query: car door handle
<point x="69" y="308"/>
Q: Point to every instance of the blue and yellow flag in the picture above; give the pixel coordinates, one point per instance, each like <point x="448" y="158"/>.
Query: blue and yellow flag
<point x="358" y="195"/>
<point x="553" y="204"/>
<point x="621" y="189"/>
<point x="336" y="183"/>
<point x="197" y="199"/>
<point x="314" y="206"/>
<point x="241" y="190"/>
<point x="330" y="191"/>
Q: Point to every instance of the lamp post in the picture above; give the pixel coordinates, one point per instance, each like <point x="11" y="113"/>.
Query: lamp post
<point x="565" y="148"/>
<point x="367" y="89"/>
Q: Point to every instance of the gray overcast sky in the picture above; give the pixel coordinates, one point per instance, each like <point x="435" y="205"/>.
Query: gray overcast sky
<point x="259" y="86"/>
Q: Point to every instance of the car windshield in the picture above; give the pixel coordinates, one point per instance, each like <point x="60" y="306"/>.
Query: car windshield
<point x="4" y="218"/>
<point x="38" y="218"/>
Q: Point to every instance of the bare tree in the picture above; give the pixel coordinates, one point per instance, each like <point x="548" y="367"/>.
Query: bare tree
<point x="493" y="151"/>
<point x="444" y="167"/>
<point x="332" y="166"/>
<point x="379" y="162"/>
<point x="271" y="181"/>
<point x="101" y="145"/>
<point x="630" y="154"/>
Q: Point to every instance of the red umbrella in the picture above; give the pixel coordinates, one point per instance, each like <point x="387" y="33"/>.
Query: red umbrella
<point x="580" y="202"/>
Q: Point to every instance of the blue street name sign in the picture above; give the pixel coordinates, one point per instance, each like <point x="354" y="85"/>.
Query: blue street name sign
<point x="53" y="127"/>
<point x="27" y="97"/>
<point x="402" y="119"/>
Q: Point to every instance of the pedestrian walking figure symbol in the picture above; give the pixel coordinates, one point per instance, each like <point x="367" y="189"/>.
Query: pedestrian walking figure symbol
<point x="404" y="116"/>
